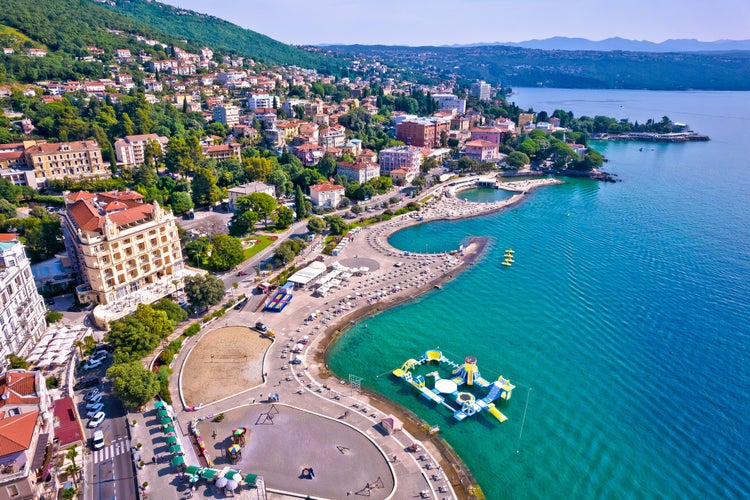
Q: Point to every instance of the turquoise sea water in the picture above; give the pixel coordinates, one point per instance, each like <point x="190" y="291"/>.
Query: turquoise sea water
<point x="624" y="320"/>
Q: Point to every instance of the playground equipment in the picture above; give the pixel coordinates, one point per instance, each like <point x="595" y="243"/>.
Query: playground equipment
<point x="465" y="374"/>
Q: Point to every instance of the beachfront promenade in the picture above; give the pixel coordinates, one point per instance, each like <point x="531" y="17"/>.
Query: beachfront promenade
<point x="320" y="421"/>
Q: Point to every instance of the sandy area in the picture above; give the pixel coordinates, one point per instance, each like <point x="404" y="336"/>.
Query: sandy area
<point x="226" y="361"/>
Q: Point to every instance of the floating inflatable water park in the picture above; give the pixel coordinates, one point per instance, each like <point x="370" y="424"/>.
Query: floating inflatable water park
<point x="464" y="375"/>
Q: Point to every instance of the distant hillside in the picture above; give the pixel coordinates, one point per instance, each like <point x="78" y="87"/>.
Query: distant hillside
<point x="218" y="34"/>
<point x="515" y="66"/>
<point x="617" y="43"/>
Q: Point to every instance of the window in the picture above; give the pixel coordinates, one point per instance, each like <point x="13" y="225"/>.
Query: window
<point x="12" y="491"/>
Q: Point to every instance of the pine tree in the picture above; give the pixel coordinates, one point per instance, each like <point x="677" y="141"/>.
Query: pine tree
<point x="300" y="207"/>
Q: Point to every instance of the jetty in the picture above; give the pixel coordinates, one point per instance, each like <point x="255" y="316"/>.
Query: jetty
<point x="655" y="137"/>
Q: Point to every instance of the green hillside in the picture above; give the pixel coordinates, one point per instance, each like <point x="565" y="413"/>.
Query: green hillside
<point x="202" y="29"/>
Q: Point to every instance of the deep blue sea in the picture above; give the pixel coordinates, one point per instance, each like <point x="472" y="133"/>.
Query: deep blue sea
<point x="624" y="322"/>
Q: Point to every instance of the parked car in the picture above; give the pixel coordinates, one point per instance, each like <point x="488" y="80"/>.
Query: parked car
<point x="97" y="441"/>
<point x="94" y="410"/>
<point x="262" y="328"/>
<point x="90" y="394"/>
<point x="86" y="382"/>
<point x="99" y="355"/>
<point x="242" y="273"/>
<point x="296" y="361"/>
<point x="93" y="363"/>
<point x="94" y="402"/>
<point x="97" y="420"/>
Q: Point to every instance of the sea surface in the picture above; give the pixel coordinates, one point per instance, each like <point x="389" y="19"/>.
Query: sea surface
<point x="624" y="321"/>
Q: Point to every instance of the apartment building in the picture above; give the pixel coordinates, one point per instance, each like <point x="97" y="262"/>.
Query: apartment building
<point x="75" y="160"/>
<point x="223" y="152"/>
<point x="249" y="188"/>
<point x="130" y="150"/>
<point x="451" y="102"/>
<point x="490" y="134"/>
<point x="407" y="157"/>
<point x="332" y="137"/>
<point x="423" y="132"/>
<point x="360" y="170"/>
<point x="227" y="114"/>
<point x="326" y="195"/>
<point x="481" y="90"/>
<point x="27" y="435"/>
<point x="481" y="150"/>
<point x="125" y="251"/>
<point x="255" y="101"/>
<point x="22" y="309"/>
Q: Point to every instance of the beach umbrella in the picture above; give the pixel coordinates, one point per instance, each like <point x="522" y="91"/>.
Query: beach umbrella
<point x="251" y="478"/>
<point x="166" y="421"/>
<point x="235" y="448"/>
<point x="159" y="404"/>
<point x="233" y="474"/>
<point x="221" y="482"/>
<point x="232" y="485"/>
<point x="171" y="440"/>
<point x="177" y="461"/>
<point x="193" y="469"/>
<point x="209" y="473"/>
<point x="162" y="413"/>
<point x="169" y="430"/>
<point x="175" y="449"/>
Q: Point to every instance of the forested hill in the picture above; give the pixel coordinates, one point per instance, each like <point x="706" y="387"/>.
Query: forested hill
<point x="514" y="66"/>
<point x="66" y="27"/>
<point x="220" y="35"/>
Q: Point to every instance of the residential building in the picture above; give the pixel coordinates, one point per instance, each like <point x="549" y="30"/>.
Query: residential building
<point x="130" y="150"/>
<point x="423" y="132"/>
<point x="407" y="157"/>
<point x="22" y="309"/>
<point x="481" y="90"/>
<point x="360" y="170"/>
<point x="75" y="160"/>
<point x="332" y="137"/>
<point x="223" y="152"/>
<point x="480" y="150"/>
<point x="227" y="114"/>
<point x="27" y="436"/>
<point x="489" y="134"/>
<point x="402" y="176"/>
<point x="326" y="195"/>
<point x="125" y="251"/>
<point x="450" y="101"/>
<point x="13" y="164"/>
<point x="255" y="101"/>
<point x="308" y="153"/>
<point x="249" y="188"/>
<point x="36" y="52"/>
<point x="526" y="121"/>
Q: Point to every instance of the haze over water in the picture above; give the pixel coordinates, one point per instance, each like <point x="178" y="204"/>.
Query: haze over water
<point x="626" y="313"/>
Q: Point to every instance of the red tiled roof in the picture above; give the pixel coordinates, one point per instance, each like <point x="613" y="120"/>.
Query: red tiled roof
<point x="18" y="388"/>
<point x="68" y="425"/>
<point x="308" y="147"/>
<point x="127" y="197"/>
<point x="114" y="206"/>
<point x="480" y="143"/>
<point x="86" y="216"/>
<point x="58" y="147"/>
<point x="81" y="195"/>
<point x="325" y="187"/>
<point x="132" y="214"/>
<point x="16" y="432"/>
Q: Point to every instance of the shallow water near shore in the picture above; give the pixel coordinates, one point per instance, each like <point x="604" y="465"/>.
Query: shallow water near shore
<point x="623" y="321"/>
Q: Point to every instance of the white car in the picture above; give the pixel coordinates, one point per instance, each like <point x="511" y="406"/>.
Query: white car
<point x="92" y="363"/>
<point x="97" y="420"/>
<point x="91" y="394"/>
<point x="94" y="401"/>
<point x="99" y="355"/>
<point x="97" y="441"/>
<point x="94" y="409"/>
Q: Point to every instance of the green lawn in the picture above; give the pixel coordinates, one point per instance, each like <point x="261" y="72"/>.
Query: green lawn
<point x="261" y="242"/>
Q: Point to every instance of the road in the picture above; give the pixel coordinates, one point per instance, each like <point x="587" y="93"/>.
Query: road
<point x="108" y="472"/>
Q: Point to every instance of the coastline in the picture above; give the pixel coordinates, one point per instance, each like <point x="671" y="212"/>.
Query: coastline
<point x="460" y="476"/>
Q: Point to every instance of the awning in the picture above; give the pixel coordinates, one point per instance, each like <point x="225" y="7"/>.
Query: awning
<point x="41" y="446"/>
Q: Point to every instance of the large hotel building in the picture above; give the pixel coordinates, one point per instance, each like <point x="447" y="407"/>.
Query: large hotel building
<point x="126" y="251"/>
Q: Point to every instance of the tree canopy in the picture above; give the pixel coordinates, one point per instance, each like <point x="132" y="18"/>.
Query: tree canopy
<point x="204" y="291"/>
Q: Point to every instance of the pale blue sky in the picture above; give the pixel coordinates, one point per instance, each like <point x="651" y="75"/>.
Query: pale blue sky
<point x="439" y="22"/>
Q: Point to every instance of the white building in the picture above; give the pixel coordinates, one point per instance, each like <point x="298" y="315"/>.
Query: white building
<point x="228" y="115"/>
<point x="250" y="188"/>
<point x="22" y="309"/>
<point x="130" y="150"/>
<point x="407" y="157"/>
<point x="360" y="170"/>
<point x="481" y="90"/>
<point x="255" y="101"/>
<point x="450" y="101"/>
<point x="326" y="195"/>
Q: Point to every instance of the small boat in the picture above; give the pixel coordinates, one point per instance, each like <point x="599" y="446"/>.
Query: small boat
<point x="510" y="250"/>
<point x="506" y="263"/>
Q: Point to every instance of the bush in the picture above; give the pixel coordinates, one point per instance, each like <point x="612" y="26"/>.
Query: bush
<point x="192" y="330"/>
<point x="52" y="382"/>
<point x="163" y="375"/>
<point x="219" y="417"/>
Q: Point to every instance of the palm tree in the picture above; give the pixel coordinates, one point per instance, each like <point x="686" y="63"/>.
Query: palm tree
<point x="73" y="469"/>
